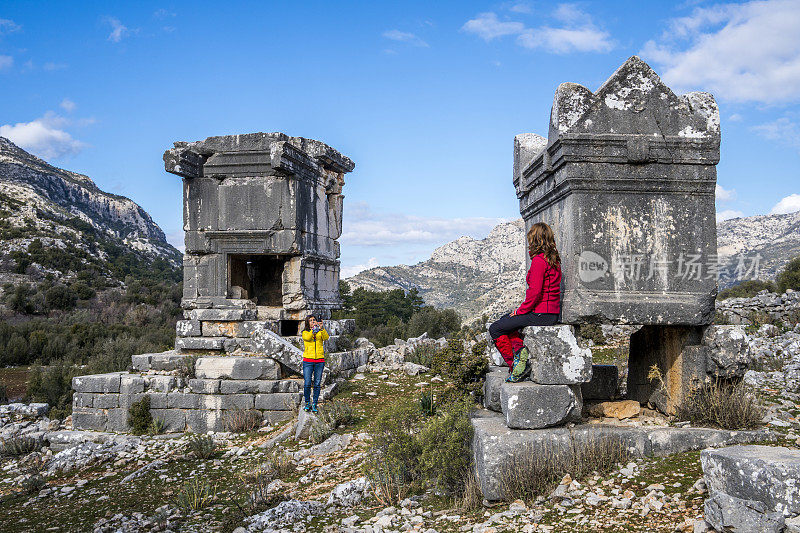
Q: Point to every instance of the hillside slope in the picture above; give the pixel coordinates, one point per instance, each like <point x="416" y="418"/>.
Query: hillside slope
<point x="57" y="222"/>
<point x="486" y="276"/>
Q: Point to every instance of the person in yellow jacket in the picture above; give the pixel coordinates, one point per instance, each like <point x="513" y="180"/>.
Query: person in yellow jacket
<point x="314" y="335"/>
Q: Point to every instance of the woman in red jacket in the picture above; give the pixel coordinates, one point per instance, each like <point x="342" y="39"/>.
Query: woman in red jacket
<point x="542" y="305"/>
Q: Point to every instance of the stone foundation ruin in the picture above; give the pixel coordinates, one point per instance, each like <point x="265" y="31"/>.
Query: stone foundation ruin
<point x="626" y="178"/>
<point x="262" y="215"/>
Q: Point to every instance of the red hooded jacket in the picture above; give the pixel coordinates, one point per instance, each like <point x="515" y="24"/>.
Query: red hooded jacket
<point x="544" y="288"/>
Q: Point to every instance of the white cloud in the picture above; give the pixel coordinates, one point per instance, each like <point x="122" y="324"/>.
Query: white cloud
<point x="578" y="33"/>
<point x="488" y="27"/>
<point x="118" y="30"/>
<point x="724" y="195"/>
<point x="736" y="117"/>
<point x="68" y="105"/>
<point x="781" y="130"/>
<point x="727" y="214"/>
<point x="788" y="204"/>
<point x="363" y="227"/>
<point x="8" y="26"/>
<point x="405" y="37"/>
<point x="521" y="7"/>
<point x="6" y="62"/>
<point x="51" y="66"/>
<point x="163" y="13"/>
<point x="748" y="52"/>
<point x="351" y="270"/>
<point x="43" y="136"/>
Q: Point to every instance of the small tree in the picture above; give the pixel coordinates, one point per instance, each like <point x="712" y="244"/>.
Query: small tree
<point x="789" y="278"/>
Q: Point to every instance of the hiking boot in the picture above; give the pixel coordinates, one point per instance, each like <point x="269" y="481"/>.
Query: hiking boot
<point x="307" y="408"/>
<point x="314" y="409"/>
<point x="521" y="368"/>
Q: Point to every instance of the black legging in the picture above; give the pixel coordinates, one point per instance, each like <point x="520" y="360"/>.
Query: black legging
<point x="507" y="323"/>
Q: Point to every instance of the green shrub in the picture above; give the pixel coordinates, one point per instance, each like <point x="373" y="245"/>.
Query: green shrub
<point x="156" y="427"/>
<point x="320" y="431"/>
<point x="746" y="289"/>
<point x="201" y="446"/>
<point x="279" y="463"/>
<point x="52" y="385"/>
<point x="195" y="495"/>
<point x="338" y="413"/>
<point x="789" y="277"/>
<point x="139" y="417"/>
<point x="465" y="370"/>
<point x="723" y="405"/>
<point x="445" y="442"/>
<point x="427" y="403"/>
<point x="593" y="332"/>
<point x="435" y="322"/>
<point x="423" y="354"/>
<point x="3" y="394"/>
<point x="394" y="438"/>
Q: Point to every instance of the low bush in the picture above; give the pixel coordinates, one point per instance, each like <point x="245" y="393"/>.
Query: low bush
<point x="156" y="427"/>
<point x="723" y="405"/>
<point x="409" y="451"/>
<point x="195" y="495"/>
<point x="464" y="369"/>
<point x="746" y="289"/>
<point x="338" y="413"/>
<point x="139" y="417"/>
<point x="319" y="432"/>
<point x="423" y="354"/>
<point x="201" y="446"/>
<point x="427" y="403"/>
<point x="279" y="463"/>
<point x="789" y="277"/>
<point x="536" y="470"/>
<point x="243" y="420"/>
<point x="593" y="332"/>
<point x="19" y="445"/>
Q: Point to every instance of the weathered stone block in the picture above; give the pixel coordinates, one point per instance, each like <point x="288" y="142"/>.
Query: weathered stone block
<point x="603" y="385"/>
<point x="188" y="328"/>
<point x="204" y="386"/>
<point x="221" y="315"/>
<point x="126" y="400"/>
<point x="117" y="420"/>
<point x="529" y="405"/>
<point x="97" y="383"/>
<point x="277" y="401"/>
<point x="225" y="401"/>
<point x="555" y="357"/>
<point x="491" y="388"/>
<point x="766" y="474"/>
<point x="251" y="386"/>
<point x="270" y="343"/>
<point x="622" y="167"/>
<point x="174" y="419"/>
<point x="91" y="419"/>
<point x="81" y="400"/>
<point x="237" y="367"/>
<point x="160" y="383"/>
<point x="203" y="421"/>
<point x="735" y="515"/>
<point x="199" y="343"/>
<point x="158" y="400"/>
<point x="106" y="401"/>
<point x="244" y="328"/>
<point x="728" y="350"/>
<point x="183" y="400"/>
<point x="131" y="384"/>
<point x="170" y="360"/>
<point x="275" y="417"/>
<point x="141" y="362"/>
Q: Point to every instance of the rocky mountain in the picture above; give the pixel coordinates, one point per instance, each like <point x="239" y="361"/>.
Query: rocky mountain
<point x="53" y="221"/>
<point x="486" y="276"/>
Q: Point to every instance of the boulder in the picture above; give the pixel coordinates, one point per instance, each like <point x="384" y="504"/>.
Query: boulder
<point x="305" y="419"/>
<point x="492" y="384"/>
<point x="529" y="405"/>
<point x="766" y="474"/>
<point x="728" y="513"/>
<point x="728" y="351"/>
<point x="555" y="357"/>
<point x="619" y="410"/>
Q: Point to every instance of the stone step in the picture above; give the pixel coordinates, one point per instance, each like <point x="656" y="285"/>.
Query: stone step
<point x="528" y="405"/>
<point x="169" y="360"/>
<point x="494" y="443"/>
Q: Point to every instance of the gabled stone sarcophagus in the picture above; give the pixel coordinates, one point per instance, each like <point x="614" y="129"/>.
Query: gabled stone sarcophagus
<point x="626" y="179"/>
<point x="262" y="215"/>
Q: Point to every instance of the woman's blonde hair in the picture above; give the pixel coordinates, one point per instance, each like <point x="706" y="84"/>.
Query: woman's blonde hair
<point x="541" y="240"/>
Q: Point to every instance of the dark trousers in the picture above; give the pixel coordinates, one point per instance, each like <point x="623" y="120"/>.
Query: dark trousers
<point x="312" y="371"/>
<point x="509" y="324"/>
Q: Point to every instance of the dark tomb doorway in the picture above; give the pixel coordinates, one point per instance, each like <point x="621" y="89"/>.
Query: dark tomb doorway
<point x="256" y="277"/>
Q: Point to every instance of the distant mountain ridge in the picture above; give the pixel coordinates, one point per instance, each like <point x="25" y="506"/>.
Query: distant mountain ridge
<point x="69" y="215"/>
<point x="487" y="276"/>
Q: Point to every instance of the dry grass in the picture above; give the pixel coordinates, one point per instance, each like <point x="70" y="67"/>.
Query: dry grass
<point x="535" y="471"/>
<point x="242" y="420"/>
<point x="472" y="498"/>
<point x="723" y="405"/>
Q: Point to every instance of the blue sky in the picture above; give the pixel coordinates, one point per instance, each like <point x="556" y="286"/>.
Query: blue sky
<point x="425" y="97"/>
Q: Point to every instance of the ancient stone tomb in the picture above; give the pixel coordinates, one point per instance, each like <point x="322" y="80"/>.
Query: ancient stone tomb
<point x="262" y="215"/>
